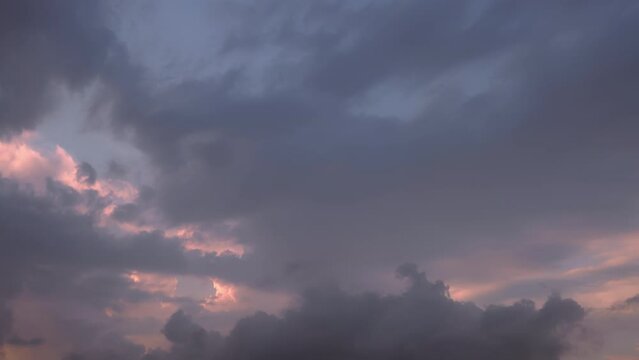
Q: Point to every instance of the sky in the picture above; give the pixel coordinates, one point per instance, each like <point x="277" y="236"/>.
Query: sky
<point x="319" y="179"/>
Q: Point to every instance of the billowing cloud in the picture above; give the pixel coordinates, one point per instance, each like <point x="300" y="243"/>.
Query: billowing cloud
<point x="55" y="254"/>
<point x="287" y="145"/>
<point x="422" y="322"/>
<point x="518" y="121"/>
<point x="39" y="234"/>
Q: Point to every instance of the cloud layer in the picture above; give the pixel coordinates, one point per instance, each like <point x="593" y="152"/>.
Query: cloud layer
<point x="289" y="145"/>
<point x="421" y="322"/>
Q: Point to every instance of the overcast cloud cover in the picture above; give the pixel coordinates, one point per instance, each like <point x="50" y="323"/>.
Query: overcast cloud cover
<point x="288" y="179"/>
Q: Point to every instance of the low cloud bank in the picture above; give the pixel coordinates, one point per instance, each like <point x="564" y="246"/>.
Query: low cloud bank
<point x="423" y="322"/>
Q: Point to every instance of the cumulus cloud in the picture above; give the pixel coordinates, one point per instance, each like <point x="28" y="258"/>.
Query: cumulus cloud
<point x="422" y="322"/>
<point x="53" y="253"/>
<point x="55" y="227"/>
<point x="41" y="232"/>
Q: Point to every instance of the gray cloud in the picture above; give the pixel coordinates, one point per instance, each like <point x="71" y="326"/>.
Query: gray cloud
<point x="421" y="322"/>
<point x="7" y="332"/>
<point x="345" y="137"/>
<point x="42" y="232"/>
<point x="53" y="254"/>
<point x="86" y="173"/>
<point x="109" y="346"/>
<point x="523" y="113"/>
<point x="633" y="300"/>
<point x="126" y="212"/>
<point x="116" y="170"/>
<point x="20" y="342"/>
<point x="627" y="304"/>
<point x="309" y="175"/>
<point x="47" y="43"/>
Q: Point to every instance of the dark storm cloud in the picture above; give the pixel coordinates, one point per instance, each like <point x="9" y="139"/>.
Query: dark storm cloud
<point x="523" y="121"/>
<point x="423" y="322"/>
<point x="520" y="118"/>
<point x="85" y="173"/>
<point x="52" y="253"/>
<point x="41" y="232"/>
<point x="44" y="43"/>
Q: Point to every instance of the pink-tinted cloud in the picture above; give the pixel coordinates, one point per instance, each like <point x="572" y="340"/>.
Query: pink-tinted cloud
<point x="598" y="273"/>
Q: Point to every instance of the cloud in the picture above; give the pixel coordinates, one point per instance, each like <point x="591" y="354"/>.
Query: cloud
<point x="53" y="254"/>
<point x="331" y="140"/>
<point x="41" y="233"/>
<point x="86" y="173"/>
<point x="421" y="322"/>
<point x="628" y="304"/>
<point x="633" y="300"/>
<point x="44" y="45"/>
<point x="518" y="120"/>
<point x="20" y="342"/>
<point x="109" y="346"/>
<point x="7" y="331"/>
<point x="6" y="319"/>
